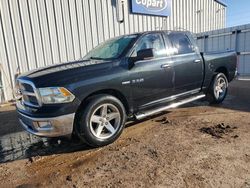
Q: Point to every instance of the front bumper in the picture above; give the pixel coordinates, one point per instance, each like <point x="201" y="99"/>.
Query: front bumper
<point x="48" y="127"/>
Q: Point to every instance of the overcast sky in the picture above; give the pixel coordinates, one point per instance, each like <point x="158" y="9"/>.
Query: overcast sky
<point x="238" y="12"/>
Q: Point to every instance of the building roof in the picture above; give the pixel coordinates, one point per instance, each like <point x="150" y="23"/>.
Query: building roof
<point x="221" y="2"/>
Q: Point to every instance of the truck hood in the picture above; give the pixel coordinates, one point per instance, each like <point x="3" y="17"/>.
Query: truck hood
<point x="66" y="73"/>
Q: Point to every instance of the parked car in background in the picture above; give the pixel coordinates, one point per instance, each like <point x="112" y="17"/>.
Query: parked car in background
<point x="134" y="75"/>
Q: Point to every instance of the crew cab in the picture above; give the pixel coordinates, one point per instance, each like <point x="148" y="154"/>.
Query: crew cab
<point x="130" y="76"/>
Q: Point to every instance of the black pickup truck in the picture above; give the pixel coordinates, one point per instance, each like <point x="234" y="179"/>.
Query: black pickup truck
<point x="134" y="75"/>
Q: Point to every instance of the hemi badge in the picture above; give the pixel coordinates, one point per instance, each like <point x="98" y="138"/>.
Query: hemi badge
<point x="126" y="82"/>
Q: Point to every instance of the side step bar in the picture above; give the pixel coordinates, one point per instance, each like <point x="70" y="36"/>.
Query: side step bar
<point x="174" y="105"/>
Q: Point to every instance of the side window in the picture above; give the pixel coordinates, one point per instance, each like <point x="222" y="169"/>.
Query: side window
<point x="154" y="41"/>
<point x="181" y="43"/>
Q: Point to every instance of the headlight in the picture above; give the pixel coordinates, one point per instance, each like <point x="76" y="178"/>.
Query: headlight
<point x="53" y="95"/>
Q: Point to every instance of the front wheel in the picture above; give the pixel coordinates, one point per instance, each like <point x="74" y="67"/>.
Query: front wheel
<point x="218" y="89"/>
<point x="102" y="121"/>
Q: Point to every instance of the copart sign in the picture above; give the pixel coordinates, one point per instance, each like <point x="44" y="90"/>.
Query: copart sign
<point x="152" y="7"/>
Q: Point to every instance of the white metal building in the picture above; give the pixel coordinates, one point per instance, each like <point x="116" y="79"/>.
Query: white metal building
<point x="36" y="33"/>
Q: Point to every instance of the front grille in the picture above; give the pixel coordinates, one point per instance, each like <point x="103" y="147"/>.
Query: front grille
<point x="26" y="87"/>
<point x="30" y="99"/>
<point x="27" y="92"/>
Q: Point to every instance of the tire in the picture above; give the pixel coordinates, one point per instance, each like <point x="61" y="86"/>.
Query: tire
<point x="102" y="121"/>
<point x="218" y="89"/>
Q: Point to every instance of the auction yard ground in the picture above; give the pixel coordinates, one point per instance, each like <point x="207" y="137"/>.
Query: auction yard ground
<point x="194" y="146"/>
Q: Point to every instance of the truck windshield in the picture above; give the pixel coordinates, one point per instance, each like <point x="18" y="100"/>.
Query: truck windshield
<point x="111" y="49"/>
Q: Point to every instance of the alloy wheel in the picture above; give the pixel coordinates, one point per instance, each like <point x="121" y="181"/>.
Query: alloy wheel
<point x="105" y="121"/>
<point x="220" y="88"/>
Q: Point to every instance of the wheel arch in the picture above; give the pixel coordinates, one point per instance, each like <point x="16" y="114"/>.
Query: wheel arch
<point x="223" y="70"/>
<point x="112" y="92"/>
<point x="85" y="101"/>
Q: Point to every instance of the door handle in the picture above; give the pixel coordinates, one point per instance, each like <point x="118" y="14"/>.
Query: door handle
<point x="165" y="66"/>
<point x="197" y="61"/>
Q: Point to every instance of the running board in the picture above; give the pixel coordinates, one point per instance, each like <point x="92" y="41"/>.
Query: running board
<point x="174" y="105"/>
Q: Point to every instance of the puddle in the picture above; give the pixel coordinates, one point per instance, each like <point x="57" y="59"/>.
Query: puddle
<point x="22" y="145"/>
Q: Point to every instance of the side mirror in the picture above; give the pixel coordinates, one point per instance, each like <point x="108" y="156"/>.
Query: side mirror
<point x="145" y="54"/>
<point x="141" y="55"/>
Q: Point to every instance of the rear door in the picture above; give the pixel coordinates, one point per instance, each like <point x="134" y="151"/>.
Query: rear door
<point x="187" y="64"/>
<point x="151" y="80"/>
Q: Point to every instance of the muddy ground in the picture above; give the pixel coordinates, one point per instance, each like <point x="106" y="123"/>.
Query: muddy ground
<point x="193" y="146"/>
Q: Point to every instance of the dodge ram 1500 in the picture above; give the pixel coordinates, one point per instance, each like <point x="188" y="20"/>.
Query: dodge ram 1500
<point x="134" y="75"/>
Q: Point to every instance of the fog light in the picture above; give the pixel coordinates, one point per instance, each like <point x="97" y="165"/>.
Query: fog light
<point x="44" y="124"/>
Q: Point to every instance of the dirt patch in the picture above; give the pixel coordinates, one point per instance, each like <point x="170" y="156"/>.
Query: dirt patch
<point x="219" y="130"/>
<point x="168" y="150"/>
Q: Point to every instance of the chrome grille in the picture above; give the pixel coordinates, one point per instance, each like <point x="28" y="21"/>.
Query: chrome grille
<point x="27" y="92"/>
<point x="26" y="87"/>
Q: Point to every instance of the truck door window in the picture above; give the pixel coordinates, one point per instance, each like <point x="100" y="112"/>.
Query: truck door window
<point x="154" y="41"/>
<point x="181" y="43"/>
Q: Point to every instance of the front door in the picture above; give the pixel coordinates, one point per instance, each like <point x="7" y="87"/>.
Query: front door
<point x="151" y="80"/>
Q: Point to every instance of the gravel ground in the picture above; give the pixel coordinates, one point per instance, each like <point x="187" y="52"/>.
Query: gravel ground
<point x="194" y="146"/>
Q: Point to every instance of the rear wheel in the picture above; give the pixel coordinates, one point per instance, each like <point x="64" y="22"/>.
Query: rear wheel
<point x="102" y="121"/>
<point x="218" y="89"/>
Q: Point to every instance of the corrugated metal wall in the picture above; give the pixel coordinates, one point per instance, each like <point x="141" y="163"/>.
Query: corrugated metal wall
<point x="36" y="33"/>
<point x="234" y="38"/>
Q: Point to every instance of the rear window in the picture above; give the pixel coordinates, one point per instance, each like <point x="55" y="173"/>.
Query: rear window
<point x="181" y="43"/>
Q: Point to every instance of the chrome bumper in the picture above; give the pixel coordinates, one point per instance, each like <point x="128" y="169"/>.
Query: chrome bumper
<point x="48" y="127"/>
